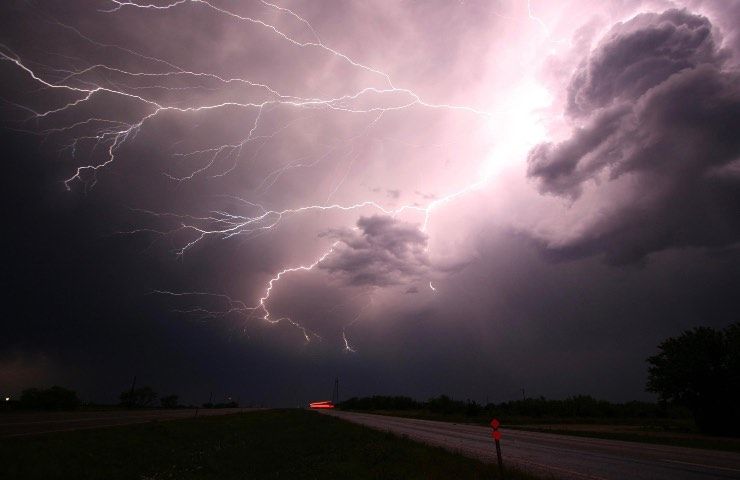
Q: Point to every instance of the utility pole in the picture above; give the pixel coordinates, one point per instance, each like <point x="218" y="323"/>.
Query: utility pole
<point x="335" y="392"/>
<point x="523" y="397"/>
<point x="131" y="394"/>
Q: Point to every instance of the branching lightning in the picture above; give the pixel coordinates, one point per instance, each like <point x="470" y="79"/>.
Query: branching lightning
<point x="347" y="346"/>
<point x="112" y="134"/>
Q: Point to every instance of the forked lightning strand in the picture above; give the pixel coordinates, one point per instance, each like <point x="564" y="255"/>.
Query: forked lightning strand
<point x="113" y="133"/>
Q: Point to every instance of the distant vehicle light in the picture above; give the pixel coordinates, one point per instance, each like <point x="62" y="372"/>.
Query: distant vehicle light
<point x="324" y="404"/>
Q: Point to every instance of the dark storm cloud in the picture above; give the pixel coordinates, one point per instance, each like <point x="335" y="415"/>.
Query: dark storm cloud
<point x="638" y="55"/>
<point x="660" y="107"/>
<point x="426" y="196"/>
<point x="82" y="312"/>
<point x="381" y="251"/>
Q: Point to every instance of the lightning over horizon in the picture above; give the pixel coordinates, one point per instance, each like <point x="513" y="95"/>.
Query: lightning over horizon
<point x="421" y="197"/>
<point x="113" y="134"/>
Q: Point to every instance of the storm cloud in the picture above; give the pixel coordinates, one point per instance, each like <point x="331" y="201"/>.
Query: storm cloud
<point x="381" y="251"/>
<point x="225" y="196"/>
<point x="657" y="109"/>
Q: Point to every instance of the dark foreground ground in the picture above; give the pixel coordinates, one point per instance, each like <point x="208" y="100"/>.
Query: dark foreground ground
<point x="21" y="424"/>
<point x="268" y="444"/>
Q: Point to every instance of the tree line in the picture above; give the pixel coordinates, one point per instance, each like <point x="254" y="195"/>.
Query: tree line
<point x="61" y="398"/>
<point x="694" y="374"/>
<point x="578" y="406"/>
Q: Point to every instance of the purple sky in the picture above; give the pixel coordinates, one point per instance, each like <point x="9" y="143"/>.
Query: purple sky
<point x="422" y="197"/>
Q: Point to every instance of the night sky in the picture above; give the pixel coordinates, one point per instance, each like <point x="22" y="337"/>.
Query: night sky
<point x="421" y="197"/>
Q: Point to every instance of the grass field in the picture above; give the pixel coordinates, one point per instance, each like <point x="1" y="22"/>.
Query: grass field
<point x="663" y="431"/>
<point x="274" y="444"/>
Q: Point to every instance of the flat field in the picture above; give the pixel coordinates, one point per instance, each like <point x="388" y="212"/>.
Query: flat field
<point x="267" y="444"/>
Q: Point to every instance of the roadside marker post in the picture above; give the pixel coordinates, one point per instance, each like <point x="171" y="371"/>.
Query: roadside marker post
<point x="496" y="434"/>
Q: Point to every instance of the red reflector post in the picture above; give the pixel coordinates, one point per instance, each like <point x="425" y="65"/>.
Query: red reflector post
<point x="496" y="437"/>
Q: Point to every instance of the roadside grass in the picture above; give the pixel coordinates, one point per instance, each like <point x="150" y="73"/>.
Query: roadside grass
<point x="270" y="444"/>
<point x="660" y="431"/>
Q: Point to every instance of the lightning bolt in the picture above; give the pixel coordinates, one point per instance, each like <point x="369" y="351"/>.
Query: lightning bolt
<point x="536" y="19"/>
<point x="347" y="346"/>
<point x="542" y="25"/>
<point x="110" y="135"/>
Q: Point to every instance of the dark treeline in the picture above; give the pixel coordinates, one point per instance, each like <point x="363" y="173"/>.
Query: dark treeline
<point x="579" y="406"/>
<point x="61" y="398"/>
<point x="696" y="373"/>
<point x="54" y="398"/>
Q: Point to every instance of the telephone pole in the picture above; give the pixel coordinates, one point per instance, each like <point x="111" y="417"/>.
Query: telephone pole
<point x="131" y="394"/>
<point x="335" y="392"/>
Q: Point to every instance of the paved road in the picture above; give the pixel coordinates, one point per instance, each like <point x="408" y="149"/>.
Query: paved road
<point x="27" y="423"/>
<point x="564" y="456"/>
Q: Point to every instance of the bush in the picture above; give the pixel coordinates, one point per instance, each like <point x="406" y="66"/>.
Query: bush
<point x="54" y="398"/>
<point x="139" y="397"/>
<point x="169" y="401"/>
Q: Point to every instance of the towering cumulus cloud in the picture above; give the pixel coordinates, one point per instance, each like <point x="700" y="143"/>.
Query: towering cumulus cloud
<point x="656" y="109"/>
<point x="381" y="251"/>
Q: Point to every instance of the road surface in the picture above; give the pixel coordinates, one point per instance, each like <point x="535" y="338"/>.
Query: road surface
<point x="32" y="423"/>
<point x="563" y="456"/>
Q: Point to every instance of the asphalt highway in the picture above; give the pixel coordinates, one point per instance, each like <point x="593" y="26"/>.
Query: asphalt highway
<point x="563" y="456"/>
<point x="27" y="423"/>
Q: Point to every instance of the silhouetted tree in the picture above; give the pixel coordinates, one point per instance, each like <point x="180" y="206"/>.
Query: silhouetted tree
<point x="54" y="398"/>
<point x="444" y="404"/>
<point x="169" y="401"/>
<point x="472" y="408"/>
<point x="139" y="397"/>
<point x="701" y="369"/>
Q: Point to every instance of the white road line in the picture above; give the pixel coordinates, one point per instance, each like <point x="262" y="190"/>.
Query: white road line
<point x="701" y="465"/>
